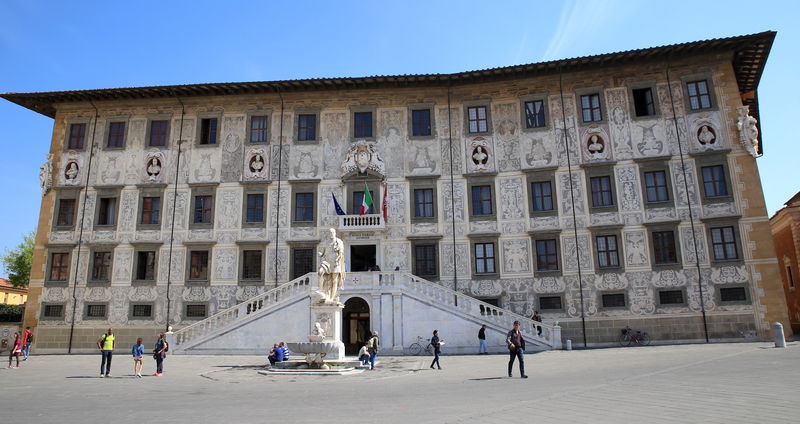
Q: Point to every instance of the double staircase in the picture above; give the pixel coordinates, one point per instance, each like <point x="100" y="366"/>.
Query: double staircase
<point x="368" y="283"/>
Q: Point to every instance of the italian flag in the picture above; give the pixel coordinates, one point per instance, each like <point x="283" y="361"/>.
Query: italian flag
<point x="366" y="201"/>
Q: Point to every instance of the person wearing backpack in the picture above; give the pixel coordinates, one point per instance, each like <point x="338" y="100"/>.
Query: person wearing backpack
<point x="159" y="353"/>
<point x="373" y="345"/>
<point x="27" y="339"/>
<point x="106" y="346"/>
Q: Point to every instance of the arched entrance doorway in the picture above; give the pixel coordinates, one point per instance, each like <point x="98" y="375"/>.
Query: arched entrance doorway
<point x="355" y="324"/>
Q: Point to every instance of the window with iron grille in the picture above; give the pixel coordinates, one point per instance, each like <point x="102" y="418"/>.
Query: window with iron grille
<point x="614" y="300"/>
<point x="59" y="266"/>
<point x="723" y="243"/>
<point x="477" y="119"/>
<point x="107" y="214"/>
<point x="203" y="207"/>
<point x="53" y="311"/>
<point x="302" y="261"/>
<point x="151" y="210"/>
<point x="258" y="129"/>
<point x="670" y="297"/>
<point x="198" y="267"/>
<point x="601" y="191"/>
<point x="255" y="207"/>
<point x="306" y="127"/>
<point x="655" y="183"/>
<point x="714" y="181"/>
<point x="423" y="203"/>
<point x="542" y="196"/>
<point x="96" y="311"/>
<point x="101" y="266"/>
<point x="195" y="311"/>
<point x="699" y="97"/>
<point x="534" y="114"/>
<point x="116" y="135"/>
<point x="77" y="135"/>
<point x="732" y="294"/>
<point x="590" y="108"/>
<point x="481" y="200"/>
<point x="421" y="122"/>
<point x="208" y="131"/>
<point x="607" y="251"/>
<point x="251" y="265"/>
<point x="304" y="207"/>
<point x="362" y="124"/>
<point x="158" y="133"/>
<point x="425" y="260"/>
<point x="146" y="265"/>
<point x="66" y="212"/>
<point x="664" y="251"/>
<point x="484" y="258"/>
<point x="546" y="255"/>
<point x="550" y="303"/>
<point x="643" y="103"/>
<point x="142" y="311"/>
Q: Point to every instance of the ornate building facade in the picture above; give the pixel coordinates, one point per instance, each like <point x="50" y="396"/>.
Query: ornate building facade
<point x="605" y="191"/>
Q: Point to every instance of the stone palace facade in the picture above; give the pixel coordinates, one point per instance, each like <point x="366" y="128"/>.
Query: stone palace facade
<point x="602" y="191"/>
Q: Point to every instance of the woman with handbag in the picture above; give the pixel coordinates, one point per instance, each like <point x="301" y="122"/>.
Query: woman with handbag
<point x="159" y="353"/>
<point x="16" y="350"/>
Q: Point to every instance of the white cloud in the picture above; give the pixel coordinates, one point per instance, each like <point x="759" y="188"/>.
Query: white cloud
<point x="580" y="24"/>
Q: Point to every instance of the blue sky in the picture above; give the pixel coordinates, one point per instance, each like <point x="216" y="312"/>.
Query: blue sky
<point x="57" y="45"/>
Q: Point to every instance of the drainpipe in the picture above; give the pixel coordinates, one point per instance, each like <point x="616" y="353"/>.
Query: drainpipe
<point x="278" y="194"/>
<point x="80" y="231"/>
<point x="452" y="191"/>
<point x="174" y="208"/>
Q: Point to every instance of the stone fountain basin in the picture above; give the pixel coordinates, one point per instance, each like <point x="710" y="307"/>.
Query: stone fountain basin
<point x="314" y="347"/>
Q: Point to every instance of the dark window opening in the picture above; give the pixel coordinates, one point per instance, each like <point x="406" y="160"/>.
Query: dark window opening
<point x="699" y="97"/>
<point x="306" y="127"/>
<point x="151" y="210"/>
<point x="203" y="206"/>
<point x="484" y="258"/>
<point x="601" y="191"/>
<point x="423" y="203"/>
<point x="421" y="122"/>
<point x="146" y="266"/>
<point x="481" y="200"/>
<point x="101" y="266"/>
<point x="643" y="102"/>
<point x="158" y="133"/>
<point x="478" y="119"/>
<point x="590" y="108"/>
<point x="302" y="262"/>
<point x="534" y="114"/>
<point x="723" y="243"/>
<point x="66" y="212"/>
<point x="714" y="181"/>
<point x="655" y="183"/>
<point x="142" y="311"/>
<point x="258" y="129"/>
<point x="251" y="265"/>
<point x="304" y="207"/>
<point x="550" y="303"/>
<point x="255" y="207"/>
<point x="546" y="255"/>
<point x="542" y="196"/>
<point x="362" y="124"/>
<point x="607" y="252"/>
<point x="198" y="267"/>
<point x="53" y="311"/>
<point x="59" y="266"/>
<point x="732" y="294"/>
<point x="208" y="131"/>
<point x="95" y="311"/>
<point x="670" y="297"/>
<point x="664" y="251"/>
<point x="108" y="211"/>
<point x="614" y="300"/>
<point x="196" y="311"/>
<point x="425" y="260"/>
<point x="77" y="135"/>
<point x="116" y="134"/>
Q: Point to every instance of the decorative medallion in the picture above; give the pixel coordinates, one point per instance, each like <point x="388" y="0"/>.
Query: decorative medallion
<point x="363" y="156"/>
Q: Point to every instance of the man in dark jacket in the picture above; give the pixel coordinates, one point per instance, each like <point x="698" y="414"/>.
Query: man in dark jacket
<point x="482" y="340"/>
<point x="516" y="349"/>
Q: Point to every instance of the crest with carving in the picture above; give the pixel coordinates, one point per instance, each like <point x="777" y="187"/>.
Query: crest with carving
<point x="363" y="156"/>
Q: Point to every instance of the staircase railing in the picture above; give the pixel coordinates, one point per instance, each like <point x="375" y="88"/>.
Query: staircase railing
<point x="243" y="309"/>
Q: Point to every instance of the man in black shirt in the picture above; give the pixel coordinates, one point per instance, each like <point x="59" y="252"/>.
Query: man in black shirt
<point x="516" y="349"/>
<point x="482" y="339"/>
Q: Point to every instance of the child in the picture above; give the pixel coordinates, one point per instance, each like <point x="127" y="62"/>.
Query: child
<point x="16" y="350"/>
<point x="138" y="352"/>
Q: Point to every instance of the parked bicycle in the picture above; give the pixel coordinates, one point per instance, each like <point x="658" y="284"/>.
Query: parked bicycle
<point x="628" y="337"/>
<point x="417" y="349"/>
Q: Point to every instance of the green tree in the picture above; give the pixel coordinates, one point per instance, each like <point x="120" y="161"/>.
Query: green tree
<point x="18" y="261"/>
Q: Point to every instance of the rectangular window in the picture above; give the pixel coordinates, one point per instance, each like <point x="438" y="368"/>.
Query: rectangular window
<point x="142" y="311"/>
<point x="478" y="119"/>
<point x="723" y="242"/>
<point x="198" y="267"/>
<point x="590" y="108"/>
<point x="203" y="207"/>
<point x="116" y="135"/>
<point x="425" y="260"/>
<point x="304" y="207"/>
<point x="699" y="97"/>
<point x="664" y="251"/>
<point x="53" y="311"/>
<point x="550" y="303"/>
<point x="481" y="200"/>
<point x="302" y="262"/>
<point x="643" y="103"/>
<point x="95" y="311"/>
<point x="146" y="266"/>
<point x="196" y="311"/>
<point x="59" y="266"/>
<point x="66" y="212"/>
<point x="601" y="191"/>
<point x="108" y="211"/>
<point x="732" y="294"/>
<point x="607" y="251"/>
<point x="423" y="203"/>
<point x="789" y="277"/>
<point x="614" y="300"/>
<point x="714" y="181"/>
<point x="655" y="183"/>
<point x="101" y="266"/>
<point x="255" y="207"/>
<point x="546" y="255"/>
<point x="77" y="135"/>
<point x="534" y="114"/>
<point x="421" y="122"/>
<point x="251" y="265"/>
<point x="208" y="131"/>
<point x="258" y="129"/>
<point x="158" y="133"/>
<point x="670" y="297"/>
<point x="151" y="210"/>
<point x="306" y="127"/>
<point x="484" y="258"/>
<point x="542" y="196"/>
<point x="358" y="198"/>
<point x="362" y="124"/>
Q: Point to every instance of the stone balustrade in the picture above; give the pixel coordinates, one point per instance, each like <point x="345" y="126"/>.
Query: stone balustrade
<point x="361" y="222"/>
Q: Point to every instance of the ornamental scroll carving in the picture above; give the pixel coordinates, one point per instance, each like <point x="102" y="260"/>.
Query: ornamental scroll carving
<point x="363" y="156"/>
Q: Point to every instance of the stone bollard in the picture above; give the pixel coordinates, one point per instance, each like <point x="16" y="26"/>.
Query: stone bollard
<point x="569" y="344"/>
<point x="780" y="340"/>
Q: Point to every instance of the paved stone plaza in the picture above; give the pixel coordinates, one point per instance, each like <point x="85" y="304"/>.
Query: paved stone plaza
<point x="719" y="383"/>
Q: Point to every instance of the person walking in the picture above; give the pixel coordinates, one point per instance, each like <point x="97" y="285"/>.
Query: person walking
<point x="373" y="346"/>
<point x="482" y="340"/>
<point x="16" y="350"/>
<point x="437" y="348"/>
<point x="106" y="345"/>
<point x="159" y="353"/>
<point x="27" y="339"/>
<point x="516" y="349"/>
<point x="138" y="352"/>
<point x="538" y="318"/>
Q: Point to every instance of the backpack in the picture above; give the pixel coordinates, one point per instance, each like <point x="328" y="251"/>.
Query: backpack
<point x="30" y="338"/>
<point x="166" y="346"/>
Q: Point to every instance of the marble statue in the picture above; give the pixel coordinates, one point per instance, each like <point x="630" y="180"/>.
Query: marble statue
<point x="748" y="131"/>
<point x="318" y="334"/>
<point x="706" y="136"/>
<point x="331" y="276"/>
<point x="46" y="174"/>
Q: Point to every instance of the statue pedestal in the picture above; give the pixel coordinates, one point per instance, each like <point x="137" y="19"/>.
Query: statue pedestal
<point x="330" y="319"/>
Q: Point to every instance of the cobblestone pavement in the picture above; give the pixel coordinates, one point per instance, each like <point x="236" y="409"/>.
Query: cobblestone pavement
<point x="717" y="383"/>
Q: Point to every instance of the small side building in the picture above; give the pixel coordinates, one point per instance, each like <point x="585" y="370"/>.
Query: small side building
<point x="11" y="295"/>
<point x="785" y="225"/>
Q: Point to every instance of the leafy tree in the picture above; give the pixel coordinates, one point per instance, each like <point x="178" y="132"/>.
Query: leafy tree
<point x="18" y="261"/>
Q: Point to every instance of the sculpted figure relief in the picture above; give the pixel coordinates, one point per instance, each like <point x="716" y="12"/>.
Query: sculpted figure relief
<point x="331" y="276"/>
<point x="748" y="131"/>
<point x="46" y="174"/>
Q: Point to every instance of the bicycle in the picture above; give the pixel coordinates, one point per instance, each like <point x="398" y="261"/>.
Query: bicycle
<point x="416" y="348"/>
<point x="628" y="336"/>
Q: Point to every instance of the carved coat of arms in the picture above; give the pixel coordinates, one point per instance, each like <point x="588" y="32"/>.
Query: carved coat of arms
<point x="362" y="156"/>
